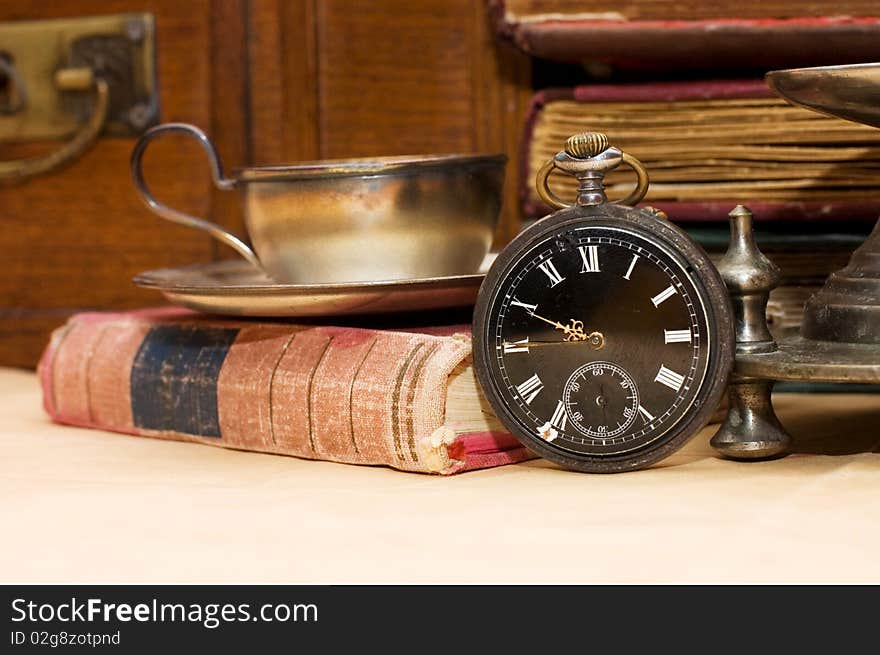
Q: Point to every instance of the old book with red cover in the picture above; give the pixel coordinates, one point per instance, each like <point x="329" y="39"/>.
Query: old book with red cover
<point x="405" y="399"/>
<point x="709" y="145"/>
<point x="693" y="34"/>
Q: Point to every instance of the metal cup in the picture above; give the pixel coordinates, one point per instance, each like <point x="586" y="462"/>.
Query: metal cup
<point x="360" y="220"/>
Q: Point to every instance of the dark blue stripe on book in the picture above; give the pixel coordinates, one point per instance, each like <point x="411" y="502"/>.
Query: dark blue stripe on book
<point x="174" y="379"/>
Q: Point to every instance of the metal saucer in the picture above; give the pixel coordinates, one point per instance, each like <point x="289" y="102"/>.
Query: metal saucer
<point x="236" y="288"/>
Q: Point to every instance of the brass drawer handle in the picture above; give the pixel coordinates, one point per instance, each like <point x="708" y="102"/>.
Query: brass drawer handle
<point x="67" y="79"/>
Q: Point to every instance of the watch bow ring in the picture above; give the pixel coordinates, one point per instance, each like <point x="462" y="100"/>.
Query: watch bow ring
<point x="588" y="157"/>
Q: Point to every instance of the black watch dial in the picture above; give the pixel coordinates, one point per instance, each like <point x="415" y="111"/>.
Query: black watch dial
<point x="597" y="340"/>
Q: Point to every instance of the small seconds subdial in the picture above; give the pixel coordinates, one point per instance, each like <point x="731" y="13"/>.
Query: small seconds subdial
<point x="601" y="400"/>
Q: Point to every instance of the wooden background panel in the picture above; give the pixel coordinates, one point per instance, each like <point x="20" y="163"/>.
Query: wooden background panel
<point x="401" y="86"/>
<point x="228" y="106"/>
<point x="73" y="239"/>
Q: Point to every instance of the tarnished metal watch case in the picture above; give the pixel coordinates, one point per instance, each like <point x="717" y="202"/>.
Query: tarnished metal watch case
<point x="588" y="157"/>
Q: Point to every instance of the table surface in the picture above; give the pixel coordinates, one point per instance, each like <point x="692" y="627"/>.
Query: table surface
<point x="83" y="506"/>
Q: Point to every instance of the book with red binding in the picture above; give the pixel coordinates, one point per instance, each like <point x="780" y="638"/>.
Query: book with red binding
<point x="667" y="35"/>
<point x="406" y="399"/>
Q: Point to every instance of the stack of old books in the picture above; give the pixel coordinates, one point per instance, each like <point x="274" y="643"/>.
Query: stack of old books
<point x="679" y="86"/>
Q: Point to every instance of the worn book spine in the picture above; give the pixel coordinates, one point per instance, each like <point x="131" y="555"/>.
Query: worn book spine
<point x="348" y="395"/>
<point x="666" y="35"/>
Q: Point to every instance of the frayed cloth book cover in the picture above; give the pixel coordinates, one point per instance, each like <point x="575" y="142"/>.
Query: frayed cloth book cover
<point x="404" y="399"/>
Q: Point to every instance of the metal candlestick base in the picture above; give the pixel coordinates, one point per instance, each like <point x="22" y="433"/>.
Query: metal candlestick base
<point x="751" y="429"/>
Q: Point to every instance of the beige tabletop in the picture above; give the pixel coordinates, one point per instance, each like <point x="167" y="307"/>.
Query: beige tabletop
<point x="85" y="506"/>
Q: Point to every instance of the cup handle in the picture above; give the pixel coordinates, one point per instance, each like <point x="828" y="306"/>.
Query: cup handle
<point x="220" y="181"/>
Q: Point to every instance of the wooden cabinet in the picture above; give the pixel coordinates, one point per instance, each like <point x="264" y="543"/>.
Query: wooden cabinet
<point x="271" y="81"/>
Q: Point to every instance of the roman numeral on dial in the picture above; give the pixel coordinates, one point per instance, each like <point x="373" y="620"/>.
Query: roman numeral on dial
<point x="548" y="431"/>
<point x="530" y="388"/>
<point x="667" y="293"/>
<point x="552" y="273"/>
<point x="590" y="256"/>
<point x="647" y="417"/>
<point x="524" y="305"/>
<point x="632" y="265"/>
<point x="521" y="346"/>
<point x="559" y="418"/>
<point x="676" y="336"/>
<point x="669" y="378"/>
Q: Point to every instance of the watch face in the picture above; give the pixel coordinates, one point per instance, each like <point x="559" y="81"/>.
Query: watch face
<point x="597" y="340"/>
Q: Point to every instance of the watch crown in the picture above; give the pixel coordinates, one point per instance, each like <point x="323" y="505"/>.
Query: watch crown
<point x="586" y="144"/>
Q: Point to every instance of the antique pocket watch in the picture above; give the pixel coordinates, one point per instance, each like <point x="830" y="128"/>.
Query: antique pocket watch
<point x="603" y="336"/>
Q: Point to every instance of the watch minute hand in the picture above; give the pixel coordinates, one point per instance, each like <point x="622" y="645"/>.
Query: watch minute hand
<point x="558" y="326"/>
